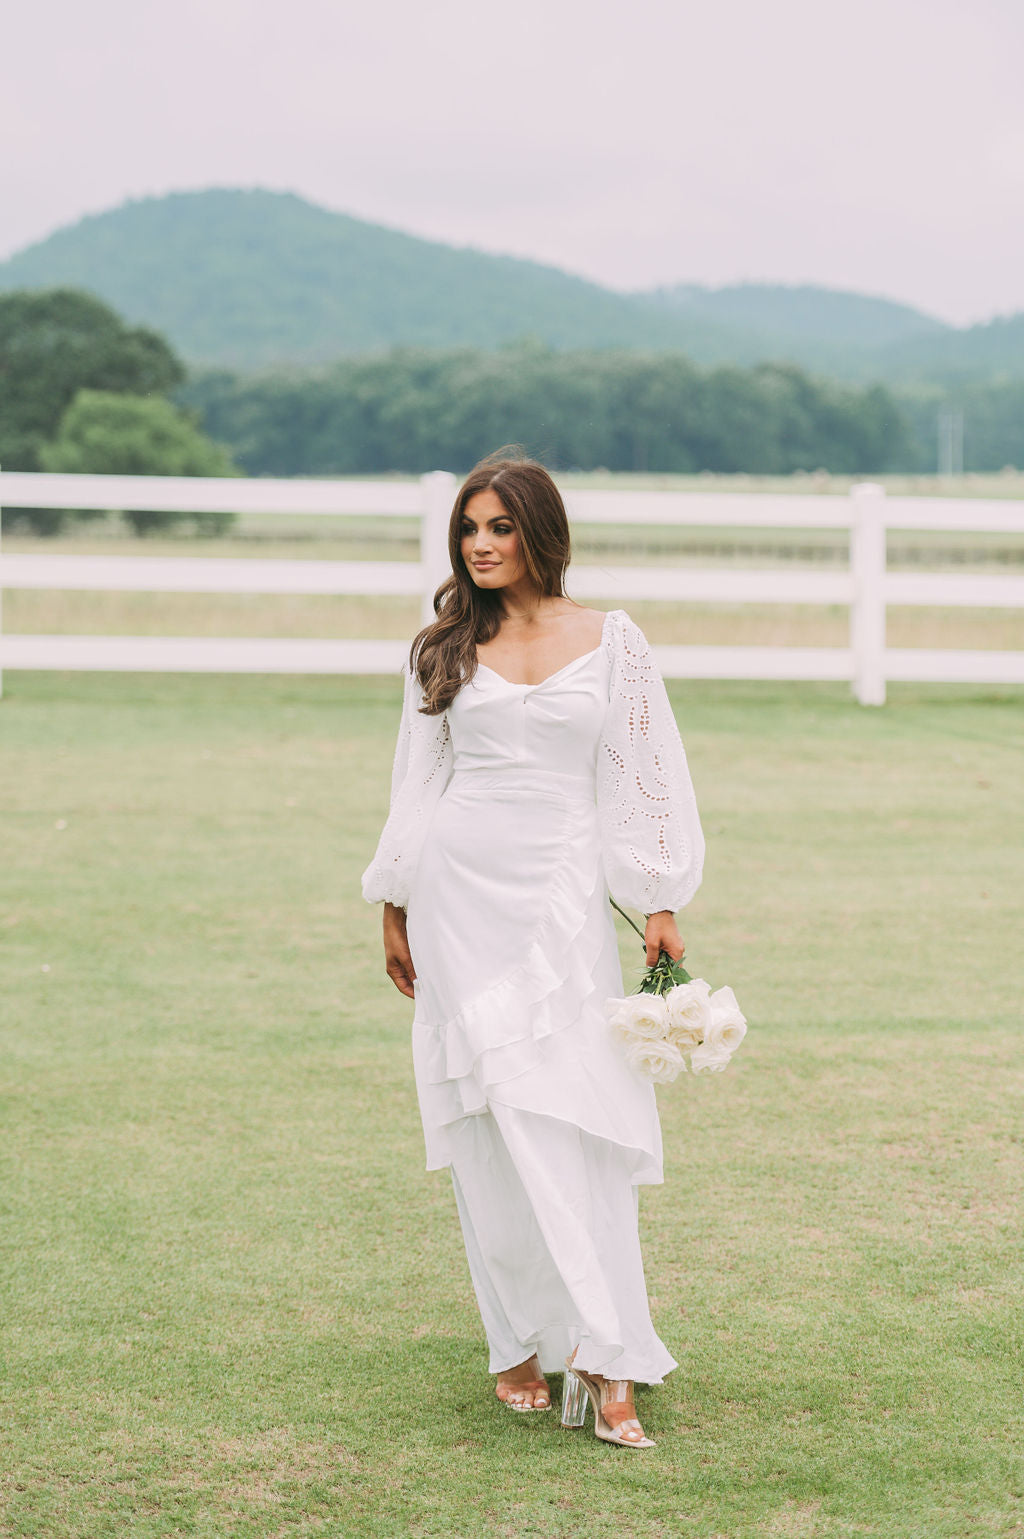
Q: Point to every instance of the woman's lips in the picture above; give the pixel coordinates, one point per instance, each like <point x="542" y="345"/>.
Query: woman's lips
<point x="484" y="566"/>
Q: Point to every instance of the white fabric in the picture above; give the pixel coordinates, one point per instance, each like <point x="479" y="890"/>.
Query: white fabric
<point x="421" y="770"/>
<point x="549" y="1219"/>
<point x="511" y="816"/>
<point x="650" y="832"/>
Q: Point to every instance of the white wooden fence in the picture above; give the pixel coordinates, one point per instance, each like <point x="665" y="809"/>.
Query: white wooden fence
<point x="866" y="587"/>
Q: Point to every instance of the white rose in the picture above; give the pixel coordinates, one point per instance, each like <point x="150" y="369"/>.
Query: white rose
<point x="689" y="1013"/>
<point x="655" y="1060"/>
<point x="641" y="1017"/>
<point x="709" y="1060"/>
<point x="728" y="1024"/>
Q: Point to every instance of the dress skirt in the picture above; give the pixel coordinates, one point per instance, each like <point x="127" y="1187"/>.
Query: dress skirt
<point x="524" y="1091"/>
<point x="549" y="1219"/>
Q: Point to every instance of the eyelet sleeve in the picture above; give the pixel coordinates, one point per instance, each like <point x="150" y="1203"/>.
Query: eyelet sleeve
<point x="420" y="772"/>
<point x="651" y="838"/>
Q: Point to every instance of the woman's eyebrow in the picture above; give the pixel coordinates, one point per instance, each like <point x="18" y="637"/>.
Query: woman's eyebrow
<point x="502" y="518"/>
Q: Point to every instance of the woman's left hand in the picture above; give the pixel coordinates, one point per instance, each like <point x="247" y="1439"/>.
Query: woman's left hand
<point x="661" y="935"/>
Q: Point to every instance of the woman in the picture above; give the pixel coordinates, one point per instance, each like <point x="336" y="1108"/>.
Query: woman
<point x="538" y="766"/>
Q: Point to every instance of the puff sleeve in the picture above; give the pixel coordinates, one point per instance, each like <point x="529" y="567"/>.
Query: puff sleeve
<point x="422" y="768"/>
<point x="651" y="838"/>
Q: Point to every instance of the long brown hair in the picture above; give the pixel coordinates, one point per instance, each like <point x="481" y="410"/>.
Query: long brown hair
<point x="443" y="653"/>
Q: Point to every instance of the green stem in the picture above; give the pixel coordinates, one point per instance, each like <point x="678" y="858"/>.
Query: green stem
<point x="626" y="917"/>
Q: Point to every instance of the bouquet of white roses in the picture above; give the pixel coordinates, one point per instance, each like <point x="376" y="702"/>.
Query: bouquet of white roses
<point x="671" y="1015"/>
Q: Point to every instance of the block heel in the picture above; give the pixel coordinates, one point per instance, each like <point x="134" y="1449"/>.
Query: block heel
<point x="574" y="1400"/>
<point x="612" y="1400"/>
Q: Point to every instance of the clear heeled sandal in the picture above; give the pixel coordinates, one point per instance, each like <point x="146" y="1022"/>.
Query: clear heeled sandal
<point x="612" y="1400"/>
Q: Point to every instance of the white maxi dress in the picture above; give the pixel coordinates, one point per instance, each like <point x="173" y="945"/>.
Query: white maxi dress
<point x="513" y="815"/>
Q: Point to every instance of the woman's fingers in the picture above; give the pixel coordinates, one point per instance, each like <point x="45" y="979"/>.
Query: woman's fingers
<point x="400" y="970"/>
<point x="397" y="956"/>
<point x="654" y="952"/>
<point x="667" y="940"/>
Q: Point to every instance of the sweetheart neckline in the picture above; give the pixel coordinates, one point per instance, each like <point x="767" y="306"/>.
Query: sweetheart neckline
<point x="582" y="658"/>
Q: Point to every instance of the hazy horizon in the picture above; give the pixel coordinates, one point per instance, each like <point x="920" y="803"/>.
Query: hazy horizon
<point x="879" y="151"/>
<point x="471" y="246"/>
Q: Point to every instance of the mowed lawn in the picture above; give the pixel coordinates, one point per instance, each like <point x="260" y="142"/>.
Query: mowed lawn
<point x="235" y="1304"/>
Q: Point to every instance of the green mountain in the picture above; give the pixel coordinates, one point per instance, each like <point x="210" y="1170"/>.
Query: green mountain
<point x="827" y="330"/>
<point x="253" y="279"/>
<point x="256" y="279"/>
<point x="803" y="310"/>
<point x="991" y="351"/>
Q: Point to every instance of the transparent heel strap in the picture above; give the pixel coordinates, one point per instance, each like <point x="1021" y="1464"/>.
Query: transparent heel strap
<point x="574" y="1400"/>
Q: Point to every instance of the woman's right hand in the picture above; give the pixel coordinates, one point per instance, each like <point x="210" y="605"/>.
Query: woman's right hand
<point x="397" y="956"/>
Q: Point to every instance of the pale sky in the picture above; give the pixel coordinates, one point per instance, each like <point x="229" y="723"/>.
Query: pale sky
<point x="875" y="145"/>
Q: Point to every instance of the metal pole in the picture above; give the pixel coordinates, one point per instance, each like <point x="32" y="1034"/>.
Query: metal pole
<point x="957" y="455"/>
<point x="1" y="600"/>
<point x="945" y="447"/>
<point x="867" y="612"/>
<point x="951" y="441"/>
<point x="437" y="497"/>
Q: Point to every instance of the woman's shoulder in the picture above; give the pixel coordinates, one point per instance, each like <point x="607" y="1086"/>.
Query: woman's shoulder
<point x="630" y="652"/>
<point x="608" y="619"/>
<point x="584" y="626"/>
<point x="620" y="629"/>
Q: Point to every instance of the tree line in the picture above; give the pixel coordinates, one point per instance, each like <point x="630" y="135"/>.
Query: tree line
<point x="80" y="390"/>
<point x="413" y="410"/>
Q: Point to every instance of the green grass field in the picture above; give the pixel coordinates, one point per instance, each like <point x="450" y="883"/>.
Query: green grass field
<point x="234" y="1302"/>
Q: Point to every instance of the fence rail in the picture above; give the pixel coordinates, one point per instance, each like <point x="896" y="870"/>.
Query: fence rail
<point x="714" y="585"/>
<point x="866" y="588"/>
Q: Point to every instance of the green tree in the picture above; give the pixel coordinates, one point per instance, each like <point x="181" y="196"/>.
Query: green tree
<point x="119" y="435"/>
<point x="415" y="409"/>
<point x="56" y="342"/>
<point x="53" y="343"/>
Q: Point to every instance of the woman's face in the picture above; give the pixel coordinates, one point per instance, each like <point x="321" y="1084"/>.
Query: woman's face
<point x="489" y="542"/>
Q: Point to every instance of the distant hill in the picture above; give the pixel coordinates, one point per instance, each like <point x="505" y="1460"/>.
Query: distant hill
<point x="828" y="331"/>
<point x="256" y="279"/>
<point x="991" y="351"/>
<point x="828" y="316"/>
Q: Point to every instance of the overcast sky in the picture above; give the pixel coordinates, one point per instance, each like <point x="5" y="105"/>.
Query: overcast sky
<point x="875" y="145"/>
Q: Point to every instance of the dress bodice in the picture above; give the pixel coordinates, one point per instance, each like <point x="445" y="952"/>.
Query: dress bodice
<point x="554" y="726"/>
<point x="600" y="728"/>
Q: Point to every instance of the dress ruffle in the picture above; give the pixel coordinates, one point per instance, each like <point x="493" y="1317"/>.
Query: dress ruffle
<point x="537" y="1039"/>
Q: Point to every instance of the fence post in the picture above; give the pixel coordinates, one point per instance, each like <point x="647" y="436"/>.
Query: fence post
<point x="437" y="496"/>
<point x="867" y="612"/>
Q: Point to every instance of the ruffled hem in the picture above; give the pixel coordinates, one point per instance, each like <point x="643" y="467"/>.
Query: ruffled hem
<point x="514" y="1042"/>
<point x="551" y="1231"/>
<point x="497" y="1035"/>
<point x="555" y="1342"/>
